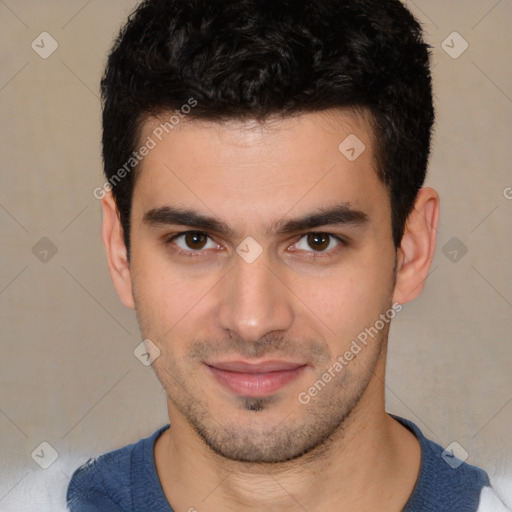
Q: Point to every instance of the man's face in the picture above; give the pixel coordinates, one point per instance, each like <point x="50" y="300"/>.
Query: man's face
<point x="249" y="317"/>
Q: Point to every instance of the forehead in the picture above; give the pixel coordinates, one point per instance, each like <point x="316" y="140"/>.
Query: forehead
<point x="247" y="171"/>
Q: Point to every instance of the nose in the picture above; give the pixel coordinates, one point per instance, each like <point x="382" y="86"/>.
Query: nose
<point x="254" y="301"/>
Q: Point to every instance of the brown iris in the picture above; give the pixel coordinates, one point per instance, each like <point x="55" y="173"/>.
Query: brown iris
<point x="196" y="240"/>
<point x="318" y="241"/>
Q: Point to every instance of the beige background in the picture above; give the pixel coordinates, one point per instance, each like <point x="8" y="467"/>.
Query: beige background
<point x="68" y="375"/>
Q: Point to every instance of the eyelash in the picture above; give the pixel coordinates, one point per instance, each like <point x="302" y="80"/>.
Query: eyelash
<point x="196" y="253"/>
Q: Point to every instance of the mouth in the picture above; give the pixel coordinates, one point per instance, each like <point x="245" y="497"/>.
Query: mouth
<point x="255" y="379"/>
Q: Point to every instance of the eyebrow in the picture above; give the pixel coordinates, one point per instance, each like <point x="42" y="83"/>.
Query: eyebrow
<point x="339" y="215"/>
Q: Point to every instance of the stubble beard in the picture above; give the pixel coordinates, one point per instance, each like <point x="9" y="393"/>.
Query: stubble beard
<point x="302" y="430"/>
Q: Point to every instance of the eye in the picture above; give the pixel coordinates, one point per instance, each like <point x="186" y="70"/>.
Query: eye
<point x="319" y="242"/>
<point x="189" y="242"/>
<point x="194" y="243"/>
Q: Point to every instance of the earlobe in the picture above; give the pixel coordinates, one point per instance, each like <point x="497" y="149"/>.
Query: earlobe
<point x="417" y="247"/>
<point x="112" y="236"/>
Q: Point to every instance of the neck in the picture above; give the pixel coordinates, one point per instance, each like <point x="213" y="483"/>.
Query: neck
<point x="370" y="463"/>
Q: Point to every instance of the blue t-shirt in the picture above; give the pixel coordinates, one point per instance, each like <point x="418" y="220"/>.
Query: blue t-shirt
<point x="126" y="480"/>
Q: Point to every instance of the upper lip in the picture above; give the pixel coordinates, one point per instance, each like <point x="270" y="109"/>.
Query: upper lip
<point x="262" y="367"/>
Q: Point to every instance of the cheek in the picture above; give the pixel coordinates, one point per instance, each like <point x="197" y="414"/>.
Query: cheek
<point x="162" y="297"/>
<point x="351" y="297"/>
<point x="167" y="302"/>
<point x="172" y="300"/>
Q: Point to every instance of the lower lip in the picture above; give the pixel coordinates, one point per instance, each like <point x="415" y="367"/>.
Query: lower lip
<point x="256" y="384"/>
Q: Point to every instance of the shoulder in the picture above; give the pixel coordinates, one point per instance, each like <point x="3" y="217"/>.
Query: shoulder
<point x="103" y="483"/>
<point x="445" y="482"/>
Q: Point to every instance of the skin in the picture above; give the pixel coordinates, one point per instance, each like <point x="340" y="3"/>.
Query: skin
<point x="225" y="451"/>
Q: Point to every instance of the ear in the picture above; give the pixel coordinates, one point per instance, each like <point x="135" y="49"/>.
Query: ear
<point x="112" y="236"/>
<point x="417" y="247"/>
